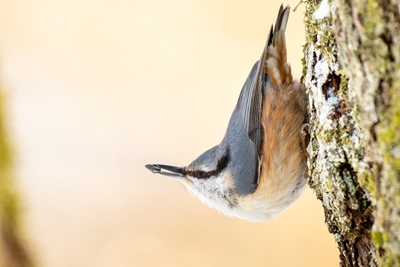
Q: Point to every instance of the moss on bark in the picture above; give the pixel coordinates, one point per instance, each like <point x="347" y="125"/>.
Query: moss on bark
<point x="352" y="72"/>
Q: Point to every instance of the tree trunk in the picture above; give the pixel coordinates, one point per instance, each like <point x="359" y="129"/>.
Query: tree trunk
<point x="352" y="73"/>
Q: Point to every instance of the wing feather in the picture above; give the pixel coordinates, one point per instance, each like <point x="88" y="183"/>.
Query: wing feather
<point x="252" y="95"/>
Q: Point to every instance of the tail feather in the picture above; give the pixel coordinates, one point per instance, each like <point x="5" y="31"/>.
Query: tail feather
<point x="280" y="23"/>
<point x="276" y="65"/>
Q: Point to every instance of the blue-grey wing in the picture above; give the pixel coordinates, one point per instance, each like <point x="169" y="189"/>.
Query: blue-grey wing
<point x="251" y="98"/>
<point x="252" y="95"/>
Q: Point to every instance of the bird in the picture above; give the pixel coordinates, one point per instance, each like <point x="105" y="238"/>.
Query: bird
<point x="260" y="167"/>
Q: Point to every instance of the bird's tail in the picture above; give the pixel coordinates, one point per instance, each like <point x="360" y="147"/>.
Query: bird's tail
<point x="276" y="65"/>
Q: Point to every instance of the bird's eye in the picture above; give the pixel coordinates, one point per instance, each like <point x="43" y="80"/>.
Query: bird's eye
<point x="200" y="174"/>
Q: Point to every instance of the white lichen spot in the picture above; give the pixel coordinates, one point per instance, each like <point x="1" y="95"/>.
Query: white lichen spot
<point x="334" y="154"/>
<point x="332" y="98"/>
<point x="355" y="138"/>
<point x="323" y="10"/>
<point x="396" y="152"/>
<point x="321" y="152"/>
<point x="324" y="117"/>
<point x="321" y="71"/>
<point x="327" y="108"/>
<point x="327" y="102"/>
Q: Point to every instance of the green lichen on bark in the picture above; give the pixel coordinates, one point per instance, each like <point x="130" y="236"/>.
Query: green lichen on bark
<point x="368" y="36"/>
<point x="340" y="174"/>
<point x="388" y="221"/>
<point x="352" y="59"/>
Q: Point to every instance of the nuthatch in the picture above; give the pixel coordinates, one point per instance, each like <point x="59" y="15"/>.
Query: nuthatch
<point x="259" y="168"/>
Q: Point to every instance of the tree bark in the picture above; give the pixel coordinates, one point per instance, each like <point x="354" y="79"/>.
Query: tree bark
<point x="352" y="73"/>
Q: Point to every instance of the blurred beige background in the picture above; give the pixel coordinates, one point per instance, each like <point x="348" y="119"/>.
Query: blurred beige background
<point x="97" y="89"/>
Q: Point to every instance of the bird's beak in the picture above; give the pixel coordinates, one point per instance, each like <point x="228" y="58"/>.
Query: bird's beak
<point x="171" y="171"/>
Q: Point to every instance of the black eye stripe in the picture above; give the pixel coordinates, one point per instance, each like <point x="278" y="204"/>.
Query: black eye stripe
<point x="221" y="165"/>
<point x="223" y="162"/>
<point x="200" y="174"/>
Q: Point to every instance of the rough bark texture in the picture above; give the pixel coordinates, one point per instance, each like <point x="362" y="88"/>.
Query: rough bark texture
<point x="13" y="251"/>
<point x="352" y="72"/>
